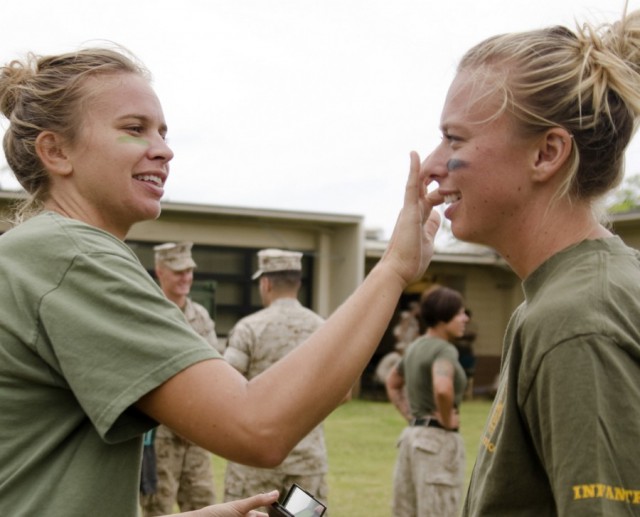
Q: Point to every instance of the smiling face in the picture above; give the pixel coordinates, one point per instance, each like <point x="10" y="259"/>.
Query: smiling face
<point x="119" y="161"/>
<point x="481" y="165"/>
<point x="175" y="284"/>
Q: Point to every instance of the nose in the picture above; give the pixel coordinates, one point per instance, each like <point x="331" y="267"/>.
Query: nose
<point x="160" y="150"/>
<point x="434" y="166"/>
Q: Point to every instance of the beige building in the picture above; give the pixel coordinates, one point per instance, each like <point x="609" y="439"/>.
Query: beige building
<point x="337" y="255"/>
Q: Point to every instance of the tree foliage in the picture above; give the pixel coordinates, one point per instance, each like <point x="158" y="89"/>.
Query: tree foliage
<point x="627" y="197"/>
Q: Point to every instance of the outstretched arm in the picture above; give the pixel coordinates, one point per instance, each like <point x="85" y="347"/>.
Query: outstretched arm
<point x="259" y="421"/>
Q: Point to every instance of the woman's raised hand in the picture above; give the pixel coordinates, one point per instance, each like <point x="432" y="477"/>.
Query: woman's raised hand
<point x="412" y="243"/>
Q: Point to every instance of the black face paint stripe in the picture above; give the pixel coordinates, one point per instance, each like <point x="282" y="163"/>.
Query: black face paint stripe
<point x="454" y="164"/>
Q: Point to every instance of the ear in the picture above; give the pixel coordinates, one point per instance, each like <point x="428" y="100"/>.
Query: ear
<point x="552" y="152"/>
<point x="51" y="152"/>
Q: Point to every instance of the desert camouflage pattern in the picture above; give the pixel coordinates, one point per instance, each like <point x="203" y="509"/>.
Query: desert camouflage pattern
<point x="433" y="460"/>
<point x="185" y="476"/>
<point x="255" y="343"/>
<point x="201" y="322"/>
<point x="241" y="481"/>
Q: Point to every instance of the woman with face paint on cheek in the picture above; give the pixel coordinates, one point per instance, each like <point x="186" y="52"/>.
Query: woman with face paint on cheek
<point x="92" y="354"/>
<point x="534" y="127"/>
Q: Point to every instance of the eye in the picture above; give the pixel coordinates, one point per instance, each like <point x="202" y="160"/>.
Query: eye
<point x="451" y="138"/>
<point x="137" y="129"/>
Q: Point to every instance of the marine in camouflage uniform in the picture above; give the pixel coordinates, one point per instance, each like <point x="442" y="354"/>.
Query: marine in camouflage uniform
<point x="184" y="471"/>
<point x="255" y="343"/>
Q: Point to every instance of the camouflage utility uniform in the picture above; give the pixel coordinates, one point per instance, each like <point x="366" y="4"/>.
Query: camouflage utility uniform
<point x="255" y="343"/>
<point x="184" y="469"/>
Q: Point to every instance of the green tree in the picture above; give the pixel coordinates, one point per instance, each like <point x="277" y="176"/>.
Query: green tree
<point x="626" y="197"/>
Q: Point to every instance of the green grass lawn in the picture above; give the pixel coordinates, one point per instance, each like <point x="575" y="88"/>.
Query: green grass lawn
<point x="361" y="438"/>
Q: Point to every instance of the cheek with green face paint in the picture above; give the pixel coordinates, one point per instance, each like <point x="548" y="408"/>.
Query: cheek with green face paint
<point x="128" y="139"/>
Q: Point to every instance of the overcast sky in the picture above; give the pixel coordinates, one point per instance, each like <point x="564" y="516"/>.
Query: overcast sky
<point x="309" y="105"/>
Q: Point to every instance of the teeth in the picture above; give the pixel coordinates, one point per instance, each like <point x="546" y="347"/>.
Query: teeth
<point x="451" y="198"/>
<point x="151" y="178"/>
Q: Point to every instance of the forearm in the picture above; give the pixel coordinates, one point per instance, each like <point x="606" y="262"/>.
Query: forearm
<point x="259" y="421"/>
<point x="399" y="399"/>
<point x="395" y="386"/>
<point x="445" y="409"/>
<point x="323" y="369"/>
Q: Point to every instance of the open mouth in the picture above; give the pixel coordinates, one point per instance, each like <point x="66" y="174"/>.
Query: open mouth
<point x="452" y="198"/>
<point x="149" y="178"/>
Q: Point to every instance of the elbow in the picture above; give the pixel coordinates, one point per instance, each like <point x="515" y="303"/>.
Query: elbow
<point x="272" y="458"/>
<point x="268" y="457"/>
<point x="267" y="450"/>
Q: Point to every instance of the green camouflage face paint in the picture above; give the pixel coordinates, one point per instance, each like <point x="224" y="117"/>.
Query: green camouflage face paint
<point x="127" y="139"/>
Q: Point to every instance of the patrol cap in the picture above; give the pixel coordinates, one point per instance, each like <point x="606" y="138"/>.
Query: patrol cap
<point x="175" y="256"/>
<point x="272" y="260"/>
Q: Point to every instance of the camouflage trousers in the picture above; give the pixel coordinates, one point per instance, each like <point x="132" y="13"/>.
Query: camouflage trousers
<point x="429" y="473"/>
<point x="185" y="476"/>
<point x="241" y="481"/>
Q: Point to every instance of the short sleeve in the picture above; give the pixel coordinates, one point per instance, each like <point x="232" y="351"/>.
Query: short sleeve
<point x="114" y="337"/>
<point x="584" y="420"/>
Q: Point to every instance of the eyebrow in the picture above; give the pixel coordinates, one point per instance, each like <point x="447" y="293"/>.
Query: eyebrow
<point x="445" y="128"/>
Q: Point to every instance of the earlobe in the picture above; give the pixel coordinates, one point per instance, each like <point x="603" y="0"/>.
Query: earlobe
<point x="552" y="153"/>
<point x="52" y="154"/>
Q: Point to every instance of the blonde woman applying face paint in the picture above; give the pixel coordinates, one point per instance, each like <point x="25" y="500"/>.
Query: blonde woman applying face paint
<point x="534" y="130"/>
<point x="92" y="354"/>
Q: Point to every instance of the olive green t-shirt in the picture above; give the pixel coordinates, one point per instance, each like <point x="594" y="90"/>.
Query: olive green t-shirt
<point x="84" y="333"/>
<point x="416" y="369"/>
<point x="563" y="435"/>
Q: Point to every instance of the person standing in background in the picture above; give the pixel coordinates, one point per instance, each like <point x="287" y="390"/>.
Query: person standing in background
<point x="255" y="343"/>
<point x="184" y="472"/>
<point x="427" y="387"/>
<point x="408" y="327"/>
<point x="405" y="332"/>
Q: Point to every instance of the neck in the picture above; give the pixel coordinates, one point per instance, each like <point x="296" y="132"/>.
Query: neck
<point x="438" y="332"/>
<point x="273" y="296"/>
<point x="558" y="229"/>
<point x="75" y="211"/>
<point x="180" y="301"/>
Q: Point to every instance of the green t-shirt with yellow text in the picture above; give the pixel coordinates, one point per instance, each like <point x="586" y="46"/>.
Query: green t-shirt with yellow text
<point x="563" y="435"/>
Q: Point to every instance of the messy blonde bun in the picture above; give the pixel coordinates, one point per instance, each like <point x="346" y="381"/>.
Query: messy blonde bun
<point x="587" y="82"/>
